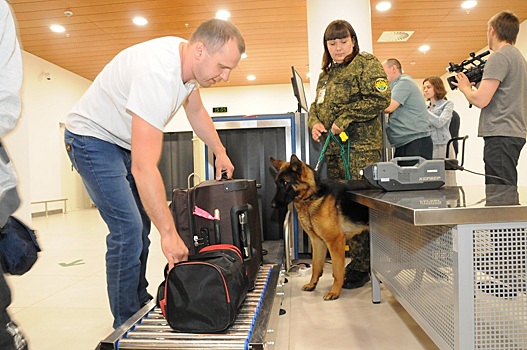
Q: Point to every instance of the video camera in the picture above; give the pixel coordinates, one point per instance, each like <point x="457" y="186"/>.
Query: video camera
<point x="473" y="69"/>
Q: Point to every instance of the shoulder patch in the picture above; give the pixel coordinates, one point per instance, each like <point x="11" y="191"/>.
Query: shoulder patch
<point x="381" y="84"/>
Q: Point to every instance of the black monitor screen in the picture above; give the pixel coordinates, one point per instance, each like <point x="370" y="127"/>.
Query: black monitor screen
<point x="298" y="89"/>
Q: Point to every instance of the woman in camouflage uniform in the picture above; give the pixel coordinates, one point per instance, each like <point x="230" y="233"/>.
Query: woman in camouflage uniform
<point x="352" y="91"/>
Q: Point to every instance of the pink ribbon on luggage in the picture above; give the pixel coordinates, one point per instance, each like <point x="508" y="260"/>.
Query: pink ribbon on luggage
<point x="203" y="213"/>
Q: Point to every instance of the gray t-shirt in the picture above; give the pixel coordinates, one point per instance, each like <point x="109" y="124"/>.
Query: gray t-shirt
<point x="409" y="121"/>
<point x="506" y="114"/>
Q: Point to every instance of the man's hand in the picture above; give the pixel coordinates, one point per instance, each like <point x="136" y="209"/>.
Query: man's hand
<point x="174" y="249"/>
<point x="462" y="82"/>
<point x="223" y="165"/>
<point x="317" y="131"/>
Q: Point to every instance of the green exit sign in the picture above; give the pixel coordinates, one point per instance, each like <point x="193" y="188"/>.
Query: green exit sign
<point x="219" y="109"/>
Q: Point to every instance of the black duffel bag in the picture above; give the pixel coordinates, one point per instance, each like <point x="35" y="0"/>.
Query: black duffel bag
<point x="18" y="247"/>
<point x="204" y="294"/>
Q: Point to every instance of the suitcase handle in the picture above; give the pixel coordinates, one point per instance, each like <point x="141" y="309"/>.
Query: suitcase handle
<point x="192" y="176"/>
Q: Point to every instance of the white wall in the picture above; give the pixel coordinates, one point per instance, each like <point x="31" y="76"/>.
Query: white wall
<point x="36" y="144"/>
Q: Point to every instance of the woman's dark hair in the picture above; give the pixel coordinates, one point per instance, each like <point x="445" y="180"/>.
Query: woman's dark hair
<point x="439" y="86"/>
<point x="339" y="29"/>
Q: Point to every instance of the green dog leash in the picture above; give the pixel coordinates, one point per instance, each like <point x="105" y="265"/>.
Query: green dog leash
<point x="345" y="155"/>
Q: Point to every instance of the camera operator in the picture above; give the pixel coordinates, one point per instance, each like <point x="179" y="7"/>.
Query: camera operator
<point x="502" y="97"/>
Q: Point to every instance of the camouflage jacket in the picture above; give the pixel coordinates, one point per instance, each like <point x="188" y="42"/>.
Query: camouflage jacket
<point x="352" y="96"/>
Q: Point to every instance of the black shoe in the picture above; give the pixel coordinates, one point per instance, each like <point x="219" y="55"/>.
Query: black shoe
<point x="355" y="279"/>
<point x="149" y="297"/>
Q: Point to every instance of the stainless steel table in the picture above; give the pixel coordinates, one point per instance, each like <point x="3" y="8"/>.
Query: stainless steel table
<point x="455" y="258"/>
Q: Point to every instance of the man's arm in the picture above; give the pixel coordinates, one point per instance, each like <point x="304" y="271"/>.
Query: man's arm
<point x="204" y="127"/>
<point x="392" y="107"/>
<point x="147" y="142"/>
<point x="484" y="93"/>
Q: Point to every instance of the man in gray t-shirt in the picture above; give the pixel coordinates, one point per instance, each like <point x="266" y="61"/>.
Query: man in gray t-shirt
<point x="408" y="128"/>
<point x="502" y="97"/>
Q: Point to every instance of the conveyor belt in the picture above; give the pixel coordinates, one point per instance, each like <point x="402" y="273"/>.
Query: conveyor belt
<point x="148" y="329"/>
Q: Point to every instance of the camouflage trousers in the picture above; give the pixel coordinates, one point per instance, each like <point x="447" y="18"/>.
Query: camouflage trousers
<point x="357" y="162"/>
<point x="359" y="245"/>
<point x="360" y="252"/>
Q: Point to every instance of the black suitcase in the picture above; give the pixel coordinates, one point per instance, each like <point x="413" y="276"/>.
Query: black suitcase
<point x="235" y="202"/>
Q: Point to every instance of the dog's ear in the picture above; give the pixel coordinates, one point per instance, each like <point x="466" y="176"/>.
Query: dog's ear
<point x="277" y="164"/>
<point x="295" y="163"/>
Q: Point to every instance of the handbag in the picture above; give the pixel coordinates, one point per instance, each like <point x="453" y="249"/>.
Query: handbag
<point x="19" y="247"/>
<point x="204" y="294"/>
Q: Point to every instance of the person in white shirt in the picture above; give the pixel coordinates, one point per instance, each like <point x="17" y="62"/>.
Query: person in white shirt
<point x="114" y="140"/>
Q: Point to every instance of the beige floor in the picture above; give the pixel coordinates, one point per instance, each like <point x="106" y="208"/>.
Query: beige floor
<point x="61" y="303"/>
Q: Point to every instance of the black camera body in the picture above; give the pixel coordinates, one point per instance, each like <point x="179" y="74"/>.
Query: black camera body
<point x="473" y="69"/>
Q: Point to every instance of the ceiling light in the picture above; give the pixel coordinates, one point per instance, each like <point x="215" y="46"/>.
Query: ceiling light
<point x="469" y="4"/>
<point x="393" y="37"/>
<point x="424" y="48"/>
<point x="223" y="14"/>
<point x="244" y="55"/>
<point x="140" y="21"/>
<point x="251" y="77"/>
<point x="383" y="6"/>
<point x="57" y="28"/>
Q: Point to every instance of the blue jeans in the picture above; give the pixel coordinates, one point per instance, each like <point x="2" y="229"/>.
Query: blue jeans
<point x="105" y="169"/>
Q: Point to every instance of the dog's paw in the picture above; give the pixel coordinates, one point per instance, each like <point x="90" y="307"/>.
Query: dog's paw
<point x="309" y="287"/>
<point x="331" y="296"/>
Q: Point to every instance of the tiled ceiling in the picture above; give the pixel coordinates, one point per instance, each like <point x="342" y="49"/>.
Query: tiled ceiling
<point x="275" y="32"/>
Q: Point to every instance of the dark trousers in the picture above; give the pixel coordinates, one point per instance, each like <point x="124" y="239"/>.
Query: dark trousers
<point x="501" y="155"/>
<point x="423" y="147"/>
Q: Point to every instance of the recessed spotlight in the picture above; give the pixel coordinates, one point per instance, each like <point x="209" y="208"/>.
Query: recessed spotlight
<point x="383" y="6"/>
<point x="251" y="77"/>
<point x="223" y="14"/>
<point x="469" y="4"/>
<point x="424" y="48"/>
<point x="140" y="21"/>
<point x="244" y="55"/>
<point x="57" y="28"/>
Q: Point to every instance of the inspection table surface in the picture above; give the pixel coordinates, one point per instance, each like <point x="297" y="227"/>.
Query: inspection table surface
<point x="452" y="205"/>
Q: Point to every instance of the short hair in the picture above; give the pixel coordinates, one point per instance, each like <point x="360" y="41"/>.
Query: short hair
<point x="439" y="86"/>
<point x="214" y="33"/>
<point x="390" y="62"/>
<point x="338" y="29"/>
<point x="506" y="25"/>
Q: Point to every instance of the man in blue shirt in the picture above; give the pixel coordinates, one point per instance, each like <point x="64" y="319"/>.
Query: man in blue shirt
<point x="408" y="128"/>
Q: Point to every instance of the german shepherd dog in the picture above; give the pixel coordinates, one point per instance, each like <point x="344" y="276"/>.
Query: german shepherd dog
<point x="325" y="212"/>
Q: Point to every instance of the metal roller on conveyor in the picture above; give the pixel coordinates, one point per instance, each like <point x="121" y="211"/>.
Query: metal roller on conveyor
<point x="253" y="328"/>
